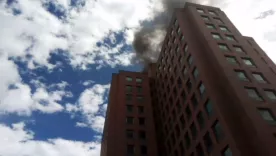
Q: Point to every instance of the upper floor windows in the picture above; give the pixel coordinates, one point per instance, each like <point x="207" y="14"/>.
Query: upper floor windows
<point x="205" y="18"/>
<point x="241" y="75"/>
<point x="129" y="89"/>
<point x="218" y="20"/>
<point x="239" y="49"/>
<point x="212" y="13"/>
<point x="139" y="80"/>
<point x="223" y="47"/>
<point x="130" y="120"/>
<point x="232" y="60"/>
<point x="129" y="134"/>
<point x="259" y="77"/>
<point x="267" y="115"/>
<point x="140" y="98"/>
<point x="223" y="28"/>
<point x="210" y="26"/>
<point x="130" y="149"/>
<point x="200" y="10"/>
<point x="270" y="94"/>
<point x="248" y="62"/>
<point x="129" y="79"/>
<point x="253" y="93"/>
<point x="216" y="36"/>
<point x="143" y="150"/>
<point x="139" y="89"/>
<point x="230" y="38"/>
<point x="128" y="97"/>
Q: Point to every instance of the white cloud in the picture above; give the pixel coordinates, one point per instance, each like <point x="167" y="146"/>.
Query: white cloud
<point x="17" y="141"/>
<point x="88" y="82"/>
<point x="81" y="124"/>
<point x="91" y="104"/>
<point x="40" y="32"/>
<point x="19" y="99"/>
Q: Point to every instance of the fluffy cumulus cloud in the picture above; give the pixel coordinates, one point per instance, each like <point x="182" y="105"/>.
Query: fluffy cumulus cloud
<point x="17" y="141"/>
<point x="92" y="105"/>
<point x="16" y="97"/>
<point x="35" y="31"/>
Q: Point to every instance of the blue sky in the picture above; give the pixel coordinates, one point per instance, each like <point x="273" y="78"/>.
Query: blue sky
<point x="56" y="62"/>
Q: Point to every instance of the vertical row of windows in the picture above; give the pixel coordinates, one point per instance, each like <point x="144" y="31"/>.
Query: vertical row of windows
<point x="131" y="120"/>
<point x="216" y="128"/>
<point x="241" y="74"/>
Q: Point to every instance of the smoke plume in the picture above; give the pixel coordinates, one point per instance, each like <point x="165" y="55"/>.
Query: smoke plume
<point x="148" y="40"/>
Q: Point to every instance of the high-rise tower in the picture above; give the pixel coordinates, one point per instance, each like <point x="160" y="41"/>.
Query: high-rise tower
<point x="213" y="92"/>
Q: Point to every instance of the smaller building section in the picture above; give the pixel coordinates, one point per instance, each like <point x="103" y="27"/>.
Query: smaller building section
<point x="129" y="127"/>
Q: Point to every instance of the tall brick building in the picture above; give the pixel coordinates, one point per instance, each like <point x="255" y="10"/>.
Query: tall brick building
<point x="211" y="92"/>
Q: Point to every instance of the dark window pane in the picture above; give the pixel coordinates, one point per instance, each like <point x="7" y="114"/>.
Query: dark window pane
<point x="129" y="108"/>
<point x="199" y="150"/>
<point x="208" y="142"/>
<point x="200" y="120"/>
<point x="129" y="89"/>
<point x="194" y="101"/>
<point x="187" y="140"/>
<point x="141" y="121"/>
<point x="189" y="85"/>
<point x="130" y="149"/>
<point x="129" y="134"/>
<point x="129" y="120"/>
<point x="140" y="98"/>
<point x="177" y="130"/>
<point x="139" y="89"/>
<point x="188" y="112"/>
<point x="182" y="149"/>
<point x="144" y="149"/>
<point x="140" y="109"/>
<point x="193" y="130"/>
<point x="128" y="97"/>
<point x="182" y="121"/>
<point x="142" y="134"/>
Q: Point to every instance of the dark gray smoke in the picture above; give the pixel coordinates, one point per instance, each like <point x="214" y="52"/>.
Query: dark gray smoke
<point x="148" y="40"/>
